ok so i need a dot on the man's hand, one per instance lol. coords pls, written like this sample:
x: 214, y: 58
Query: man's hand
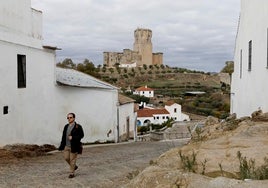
x: 70, y: 137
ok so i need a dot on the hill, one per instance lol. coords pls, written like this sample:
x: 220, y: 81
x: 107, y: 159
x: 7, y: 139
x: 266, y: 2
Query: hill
x: 175, y: 84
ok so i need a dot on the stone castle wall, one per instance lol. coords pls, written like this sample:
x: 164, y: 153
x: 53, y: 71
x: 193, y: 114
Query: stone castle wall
x: 141, y: 53
x: 157, y: 58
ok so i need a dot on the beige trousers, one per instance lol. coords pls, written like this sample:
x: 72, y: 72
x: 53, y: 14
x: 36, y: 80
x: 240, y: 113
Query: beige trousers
x: 70, y: 158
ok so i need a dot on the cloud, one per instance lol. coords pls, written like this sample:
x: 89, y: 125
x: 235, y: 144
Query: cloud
x: 192, y: 34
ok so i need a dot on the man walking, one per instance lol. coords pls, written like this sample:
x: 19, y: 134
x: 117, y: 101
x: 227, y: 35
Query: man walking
x: 71, y: 142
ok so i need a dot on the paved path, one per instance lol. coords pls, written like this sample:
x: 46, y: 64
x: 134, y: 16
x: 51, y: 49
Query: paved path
x: 100, y: 166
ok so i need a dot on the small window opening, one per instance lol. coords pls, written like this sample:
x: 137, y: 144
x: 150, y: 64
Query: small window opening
x: 21, y: 68
x: 249, y: 55
x: 5, y: 110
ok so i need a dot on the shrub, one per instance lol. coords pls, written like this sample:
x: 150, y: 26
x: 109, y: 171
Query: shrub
x: 188, y: 162
x: 204, y: 166
x: 198, y: 131
x: 248, y: 170
x: 142, y: 129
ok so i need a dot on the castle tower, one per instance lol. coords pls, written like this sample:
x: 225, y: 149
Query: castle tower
x: 143, y: 45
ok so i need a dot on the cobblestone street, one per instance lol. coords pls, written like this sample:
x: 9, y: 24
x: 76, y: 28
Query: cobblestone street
x: 99, y: 166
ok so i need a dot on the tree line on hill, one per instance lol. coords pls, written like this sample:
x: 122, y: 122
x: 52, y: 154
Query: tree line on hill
x: 212, y: 103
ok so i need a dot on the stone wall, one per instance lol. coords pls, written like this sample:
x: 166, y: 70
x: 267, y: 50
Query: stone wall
x: 141, y: 53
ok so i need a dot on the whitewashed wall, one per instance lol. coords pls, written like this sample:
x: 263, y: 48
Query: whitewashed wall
x: 144, y: 93
x: 127, y: 111
x: 20, y: 24
x: 161, y: 118
x: 37, y: 113
x: 143, y: 119
x: 249, y: 89
x: 28, y: 109
x: 95, y: 110
x: 178, y: 115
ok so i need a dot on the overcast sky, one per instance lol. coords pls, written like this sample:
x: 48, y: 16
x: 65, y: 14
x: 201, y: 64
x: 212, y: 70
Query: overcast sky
x: 193, y: 34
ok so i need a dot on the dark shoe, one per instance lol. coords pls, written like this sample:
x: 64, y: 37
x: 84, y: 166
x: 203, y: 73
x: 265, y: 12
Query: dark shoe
x: 71, y: 176
x: 76, y: 167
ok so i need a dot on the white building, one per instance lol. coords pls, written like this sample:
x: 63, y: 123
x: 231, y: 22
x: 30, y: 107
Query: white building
x: 35, y: 96
x: 144, y: 91
x: 146, y: 115
x: 127, y: 118
x: 175, y: 112
x: 249, y: 90
x: 93, y: 101
x: 131, y: 65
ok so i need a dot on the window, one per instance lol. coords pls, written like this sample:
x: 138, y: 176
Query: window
x: 249, y: 55
x: 241, y: 63
x: 5, y: 110
x: 21, y: 68
x: 175, y: 110
x: 163, y: 117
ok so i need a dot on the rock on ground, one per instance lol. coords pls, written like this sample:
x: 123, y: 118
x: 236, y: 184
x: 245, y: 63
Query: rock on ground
x: 216, y: 148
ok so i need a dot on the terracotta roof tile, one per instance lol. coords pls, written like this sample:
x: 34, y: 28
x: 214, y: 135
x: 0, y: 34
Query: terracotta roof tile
x: 145, y: 112
x: 144, y: 88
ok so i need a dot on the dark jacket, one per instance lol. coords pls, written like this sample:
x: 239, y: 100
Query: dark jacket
x: 77, y: 134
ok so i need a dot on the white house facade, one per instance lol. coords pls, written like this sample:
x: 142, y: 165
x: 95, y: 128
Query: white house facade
x: 175, y: 112
x: 249, y: 90
x: 144, y: 91
x: 131, y: 65
x: 35, y: 97
x: 146, y: 115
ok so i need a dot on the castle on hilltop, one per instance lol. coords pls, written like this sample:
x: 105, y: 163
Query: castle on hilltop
x: 140, y: 55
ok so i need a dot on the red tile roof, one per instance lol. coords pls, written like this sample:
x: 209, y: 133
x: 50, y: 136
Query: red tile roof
x: 145, y: 112
x: 144, y: 88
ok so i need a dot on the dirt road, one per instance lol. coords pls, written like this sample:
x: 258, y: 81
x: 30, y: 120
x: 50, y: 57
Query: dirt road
x: 100, y: 166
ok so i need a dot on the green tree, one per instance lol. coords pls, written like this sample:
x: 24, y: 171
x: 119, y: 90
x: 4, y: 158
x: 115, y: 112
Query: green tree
x: 88, y: 68
x: 111, y: 70
x: 145, y: 66
x: 118, y: 70
x: 66, y: 63
x: 229, y: 67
